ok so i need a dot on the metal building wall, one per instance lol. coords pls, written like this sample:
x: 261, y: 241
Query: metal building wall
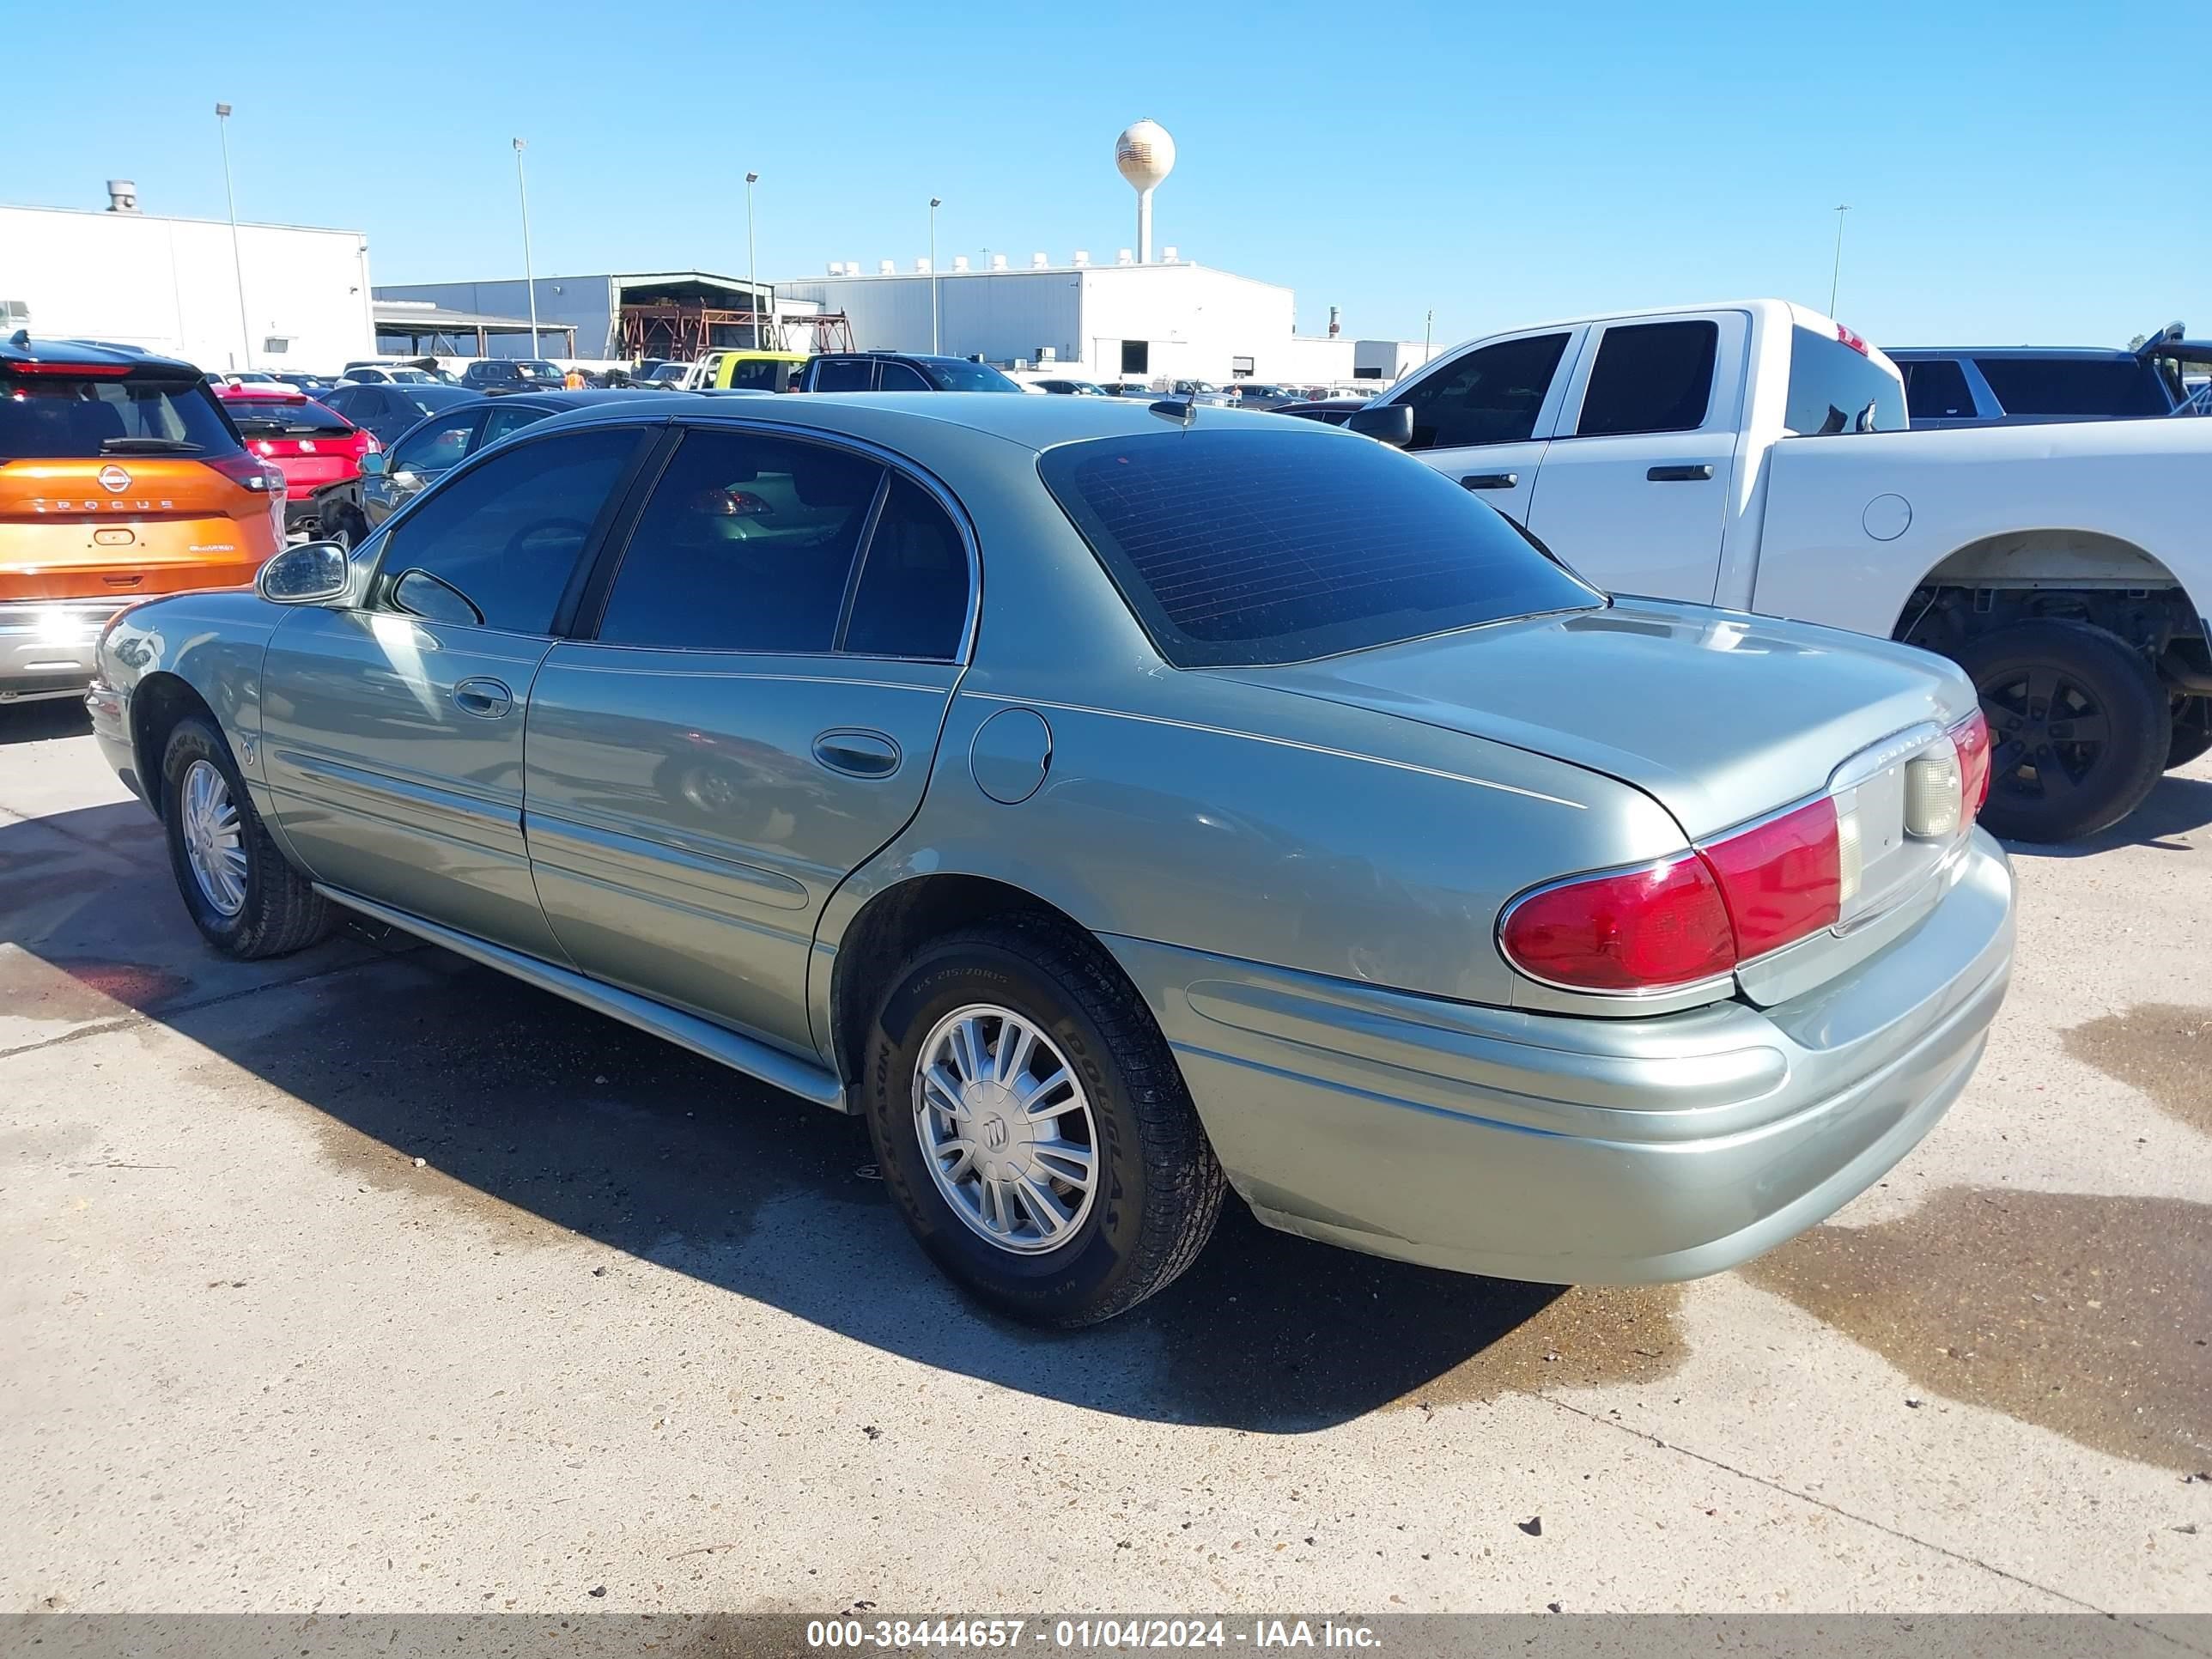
x: 1002, y: 314
x: 169, y: 285
x: 587, y: 303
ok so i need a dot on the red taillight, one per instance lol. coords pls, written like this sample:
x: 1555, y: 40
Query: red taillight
x: 1971, y: 738
x: 1692, y: 918
x: 1850, y: 339
x: 1783, y: 879
x: 242, y: 468
x: 1638, y: 930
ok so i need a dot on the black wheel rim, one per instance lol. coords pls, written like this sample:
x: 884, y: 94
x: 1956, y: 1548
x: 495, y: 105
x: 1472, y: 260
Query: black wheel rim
x: 2047, y: 733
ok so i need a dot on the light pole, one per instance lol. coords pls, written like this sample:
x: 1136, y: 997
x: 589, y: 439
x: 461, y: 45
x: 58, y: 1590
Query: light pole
x: 935, y: 202
x: 1835, y: 275
x: 529, y: 279
x: 237, y: 264
x: 752, y: 267
x: 1428, y: 327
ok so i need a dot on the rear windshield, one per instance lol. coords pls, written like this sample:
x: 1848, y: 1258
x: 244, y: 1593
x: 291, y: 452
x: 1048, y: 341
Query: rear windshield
x: 1834, y: 389
x: 967, y: 377
x: 2105, y: 387
x: 270, y: 417
x: 1241, y: 547
x: 56, y: 418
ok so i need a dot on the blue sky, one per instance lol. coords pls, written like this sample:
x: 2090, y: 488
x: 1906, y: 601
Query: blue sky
x: 2016, y: 172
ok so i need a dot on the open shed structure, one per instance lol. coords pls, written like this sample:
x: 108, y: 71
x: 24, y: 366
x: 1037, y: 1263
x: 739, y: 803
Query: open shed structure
x: 416, y: 328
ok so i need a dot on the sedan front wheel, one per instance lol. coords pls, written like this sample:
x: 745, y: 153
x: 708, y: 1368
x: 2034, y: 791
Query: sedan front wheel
x: 244, y: 898
x: 1033, y: 1127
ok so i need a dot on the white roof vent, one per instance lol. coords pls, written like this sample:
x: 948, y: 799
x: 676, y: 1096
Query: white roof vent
x: 885, y: 267
x: 998, y: 262
x: 922, y: 267
x: 960, y: 262
x: 1169, y: 253
x: 836, y: 268
x: 1038, y: 262
x: 122, y: 196
x: 1125, y: 258
x: 1082, y: 257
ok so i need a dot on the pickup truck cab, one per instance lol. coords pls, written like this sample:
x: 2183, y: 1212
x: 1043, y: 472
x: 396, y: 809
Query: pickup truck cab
x: 1754, y: 455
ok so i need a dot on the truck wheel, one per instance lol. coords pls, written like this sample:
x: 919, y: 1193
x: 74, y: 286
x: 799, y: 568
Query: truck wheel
x: 2079, y: 729
x: 1033, y: 1127
x: 2192, y: 730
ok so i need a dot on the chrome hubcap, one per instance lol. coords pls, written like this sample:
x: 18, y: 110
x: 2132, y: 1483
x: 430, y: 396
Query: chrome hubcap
x: 213, y: 844
x: 1005, y: 1129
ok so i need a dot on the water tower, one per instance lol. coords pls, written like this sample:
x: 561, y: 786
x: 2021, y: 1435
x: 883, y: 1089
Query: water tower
x: 1146, y: 154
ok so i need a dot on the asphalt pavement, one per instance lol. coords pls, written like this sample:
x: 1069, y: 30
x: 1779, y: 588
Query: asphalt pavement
x: 369, y: 1279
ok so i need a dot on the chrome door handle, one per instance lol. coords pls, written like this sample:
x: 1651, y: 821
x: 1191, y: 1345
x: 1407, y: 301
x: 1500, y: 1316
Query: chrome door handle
x: 486, y: 699
x: 858, y: 754
x: 1698, y: 474
x: 1489, y: 481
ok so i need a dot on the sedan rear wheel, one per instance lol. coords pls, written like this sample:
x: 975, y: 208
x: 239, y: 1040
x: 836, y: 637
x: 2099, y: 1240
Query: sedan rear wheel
x: 1032, y: 1126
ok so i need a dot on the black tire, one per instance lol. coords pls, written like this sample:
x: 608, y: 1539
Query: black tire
x: 279, y: 912
x: 2079, y: 728
x: 2192, y: 730
x: 1158, y: 1189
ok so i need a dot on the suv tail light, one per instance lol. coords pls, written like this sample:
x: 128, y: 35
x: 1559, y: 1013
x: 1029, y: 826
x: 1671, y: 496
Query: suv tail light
x: 1693, y: 917
x: 242, y: 468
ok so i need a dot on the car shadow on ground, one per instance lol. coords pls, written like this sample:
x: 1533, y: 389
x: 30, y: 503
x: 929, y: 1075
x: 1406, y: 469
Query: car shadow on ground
x: 514, y: 1097
x: 2175, y: 806
x: 43, y: 720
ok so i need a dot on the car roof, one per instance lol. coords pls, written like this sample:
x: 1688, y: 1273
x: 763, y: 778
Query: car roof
x: 2027, y: 353
x: 1036, y: 423
x: 21, y: 348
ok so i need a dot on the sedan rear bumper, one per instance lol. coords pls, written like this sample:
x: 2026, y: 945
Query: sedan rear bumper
x: 1567, y: 1150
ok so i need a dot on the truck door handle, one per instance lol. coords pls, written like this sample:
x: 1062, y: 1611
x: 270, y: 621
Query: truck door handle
x: 858, y: 754
x: 485, y: 698
x: 1489, y: 481
x: 1699, y: 474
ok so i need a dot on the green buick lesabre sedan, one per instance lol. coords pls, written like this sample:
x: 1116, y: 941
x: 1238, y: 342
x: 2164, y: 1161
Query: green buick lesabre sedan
x: 1117, y: 806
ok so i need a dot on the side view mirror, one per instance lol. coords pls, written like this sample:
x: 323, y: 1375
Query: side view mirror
x: 374, y: 464
x: 1388, y: 423
x: 314, y: 573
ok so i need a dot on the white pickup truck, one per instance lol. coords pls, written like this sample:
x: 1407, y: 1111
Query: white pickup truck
x: 1752, y: 455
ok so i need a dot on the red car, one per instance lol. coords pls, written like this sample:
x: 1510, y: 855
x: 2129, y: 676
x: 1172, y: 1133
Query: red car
x: 318, y: 450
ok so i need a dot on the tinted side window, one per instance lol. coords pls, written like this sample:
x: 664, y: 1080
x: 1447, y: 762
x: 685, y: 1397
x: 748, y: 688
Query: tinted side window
x: 506, y: 535
x: 1936, y: 391
x: 898, y: 377
x: 843, y: 374
x: 761, y: 374
x: 2113, y: 387
x: 505, y: 418
x: 913, y: 597
x: 437, y: 447
x: 1491, y: 395
x: 746, y: 545
x: 1650, y: 377
x: 1833, y: 388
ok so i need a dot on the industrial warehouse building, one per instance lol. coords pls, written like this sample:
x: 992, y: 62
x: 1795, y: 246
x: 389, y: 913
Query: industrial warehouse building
x: 613, y: 317
x: 171, y: 285
x: 1168, y: 321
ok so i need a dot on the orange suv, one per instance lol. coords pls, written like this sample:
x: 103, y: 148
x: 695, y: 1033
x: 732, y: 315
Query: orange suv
x: 120, y: 477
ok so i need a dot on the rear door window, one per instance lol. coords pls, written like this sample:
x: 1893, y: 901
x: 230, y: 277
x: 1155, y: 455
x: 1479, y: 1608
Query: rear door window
x: 1650, y: 377
x: 1242, y: 547
x: 61, y: 417
x: 1491, y: 395
x: 912, y: 601
x: 898, y: 377
x: 1936, y: 390
x: 2108, y: 387
x: 843, y: 374
x: 505, y: 535
x: 747, y: 544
